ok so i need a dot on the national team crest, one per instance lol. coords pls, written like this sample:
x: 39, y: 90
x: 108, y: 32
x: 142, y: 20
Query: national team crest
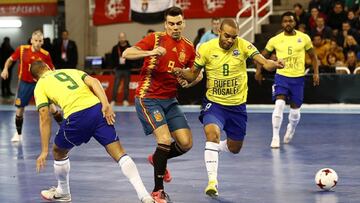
x: 236, y: 52
x: 157, y: 115
x: 182, y: 56
x: 299, y: 40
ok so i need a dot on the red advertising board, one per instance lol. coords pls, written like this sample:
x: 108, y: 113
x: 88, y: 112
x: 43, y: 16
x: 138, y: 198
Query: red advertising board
x: 111, y: 11
x: 28, y: 8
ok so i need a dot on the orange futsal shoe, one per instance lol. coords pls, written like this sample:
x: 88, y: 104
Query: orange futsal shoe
x: 167, y: 176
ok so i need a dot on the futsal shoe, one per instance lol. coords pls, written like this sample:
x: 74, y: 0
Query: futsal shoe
x: 288, y: 135
x: 52, y: 195
x: 16, y: 138
x: 147, y: 199
x: 167, y: 175
x: 275, y: 143
x: 161, y: 196
x: 212, y: 190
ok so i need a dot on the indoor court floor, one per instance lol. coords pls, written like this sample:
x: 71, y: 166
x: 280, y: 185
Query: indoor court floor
x: 258, y: 174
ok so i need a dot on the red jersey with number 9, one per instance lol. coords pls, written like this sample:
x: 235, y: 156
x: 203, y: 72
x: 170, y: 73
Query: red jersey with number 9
x: 155, y: 79
x: 27, y: 56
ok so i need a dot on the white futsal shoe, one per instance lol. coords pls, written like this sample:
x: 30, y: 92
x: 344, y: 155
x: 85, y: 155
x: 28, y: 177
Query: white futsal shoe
x: 148, y: 199
x: 288, y: 135
x: 275, y: 142
x: 52, y: 195
x: 16, y: 137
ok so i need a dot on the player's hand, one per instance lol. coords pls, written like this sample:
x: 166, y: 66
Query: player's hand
x: 4, y: 74
x: 280, y: 64
x: 177, y: 72
x: 184, y: 83
x: 316, y: 79
x: 259, y: 77
x: 41, y: 161
x: 108, y: 114
x: 159, y: 51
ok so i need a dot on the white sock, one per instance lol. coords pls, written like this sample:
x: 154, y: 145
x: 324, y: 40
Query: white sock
x: 277, y: 116
x: 294, y: 118
x: 223, y: 147
x: 129, y: 169
x: 211, y: 155
x: 62, y: 170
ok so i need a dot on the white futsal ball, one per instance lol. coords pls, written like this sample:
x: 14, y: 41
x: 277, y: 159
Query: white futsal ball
x: 326, y: 178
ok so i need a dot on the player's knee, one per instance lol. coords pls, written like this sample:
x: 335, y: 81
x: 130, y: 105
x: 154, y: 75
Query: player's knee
x: 234, y: 149
x: 59, y: 154
x: 186, y: 146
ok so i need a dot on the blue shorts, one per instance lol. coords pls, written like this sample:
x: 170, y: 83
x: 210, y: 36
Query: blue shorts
x: 25, y: 93
x: 154, y: 113
x: 80, y: 126
x: 231, y: 119
x: 292, y: 88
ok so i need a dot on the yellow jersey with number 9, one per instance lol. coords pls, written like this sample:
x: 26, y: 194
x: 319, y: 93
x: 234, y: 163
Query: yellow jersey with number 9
x: 225, y: 70
x: 66, y: 89
x: 291, y: 49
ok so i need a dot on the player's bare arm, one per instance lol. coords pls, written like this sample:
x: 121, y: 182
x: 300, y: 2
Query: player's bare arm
x: 258, y: 73
x: 96, y: 87
x: 5, y: 72
x: 189, y: 74
x: 45, y: 134
x: 134, y: 53
x: 315, y: 65
x: 268, y: 64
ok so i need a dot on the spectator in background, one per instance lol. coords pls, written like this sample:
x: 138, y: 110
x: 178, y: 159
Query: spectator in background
x: 47, y: 46
x: 213, y: 33
x: 314, y: 15
x: 65, y: 51
x: 320, y: 47
x: 336, y: 17
x: 321, y: 29
x: 321, y: 5
x: 301, y: 16
x: 351, y: 44
x: 122, y: 69
x: 332, y: 61
x: 347, y: 30
x: 5, y: 52
x: 335, y: 49
x: 353, y: 20
x: 200, y: 33
x: 351, y: 61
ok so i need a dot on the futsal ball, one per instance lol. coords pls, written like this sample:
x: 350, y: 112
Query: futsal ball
x: 326, y: 178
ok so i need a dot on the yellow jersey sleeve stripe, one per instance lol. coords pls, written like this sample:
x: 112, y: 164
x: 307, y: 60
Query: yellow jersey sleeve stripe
x: 198, y: 66
x: 268, y: 50
x: 42, y: 105
x: 83, y: 76
x: 253, y: 54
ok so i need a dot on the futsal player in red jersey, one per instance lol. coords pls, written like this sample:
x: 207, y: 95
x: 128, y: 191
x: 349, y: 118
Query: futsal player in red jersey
x: 26, y: 54
x: 155, y: 100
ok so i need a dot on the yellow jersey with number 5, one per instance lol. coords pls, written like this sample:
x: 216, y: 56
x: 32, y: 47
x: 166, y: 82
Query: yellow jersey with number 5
x: 290, y: 48
x: 65, y: 88
x: 225, y: 70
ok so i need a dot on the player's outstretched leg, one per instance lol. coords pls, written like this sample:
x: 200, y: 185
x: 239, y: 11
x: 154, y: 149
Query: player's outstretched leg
x: 62, y: 191
x: 211, y: 155
x: 294, y: 118
x: 129, y: 169
x: 277, y: 117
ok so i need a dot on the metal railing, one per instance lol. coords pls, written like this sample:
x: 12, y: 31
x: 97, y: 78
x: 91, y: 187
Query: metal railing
x: 252, y: 23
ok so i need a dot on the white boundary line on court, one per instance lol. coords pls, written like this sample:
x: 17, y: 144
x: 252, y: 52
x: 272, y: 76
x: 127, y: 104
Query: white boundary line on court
x: 251, y: 108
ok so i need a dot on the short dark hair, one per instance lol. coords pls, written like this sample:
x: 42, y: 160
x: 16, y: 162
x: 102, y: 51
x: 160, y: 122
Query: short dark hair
x: 173, y: 11
x: 36, y: 67
x: 230, y: 22
x: 297, y: 5
x: 287, y: 13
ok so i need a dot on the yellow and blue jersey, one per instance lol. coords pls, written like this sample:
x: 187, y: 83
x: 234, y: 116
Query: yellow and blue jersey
x: 226, y: 70
x: 66, y: 89
x: 290, y: 48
